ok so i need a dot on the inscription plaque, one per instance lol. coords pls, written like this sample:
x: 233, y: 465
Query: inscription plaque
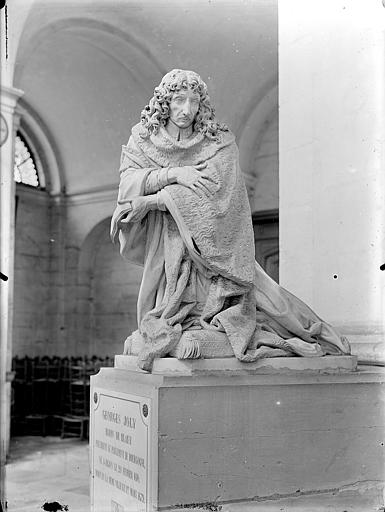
x: 120, y: 452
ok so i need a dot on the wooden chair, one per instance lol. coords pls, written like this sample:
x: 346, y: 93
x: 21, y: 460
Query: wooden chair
x: 75, y: 424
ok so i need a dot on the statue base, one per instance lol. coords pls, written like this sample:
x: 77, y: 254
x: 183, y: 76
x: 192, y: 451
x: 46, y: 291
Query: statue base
x: 194, y: 344
x: 221, y: 431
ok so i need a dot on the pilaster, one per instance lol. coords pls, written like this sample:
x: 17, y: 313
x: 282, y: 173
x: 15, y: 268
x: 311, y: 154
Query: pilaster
x: 10, y: 120
x: 332, y: 193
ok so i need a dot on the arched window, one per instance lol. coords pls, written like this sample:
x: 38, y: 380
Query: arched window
x: 25, y: 170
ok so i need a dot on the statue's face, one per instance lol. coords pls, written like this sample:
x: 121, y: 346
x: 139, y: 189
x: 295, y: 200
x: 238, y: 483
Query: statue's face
x: 184, y: 106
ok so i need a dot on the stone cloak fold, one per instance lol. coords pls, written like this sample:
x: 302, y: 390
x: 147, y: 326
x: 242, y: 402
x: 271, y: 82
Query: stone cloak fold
x: 211, y: 235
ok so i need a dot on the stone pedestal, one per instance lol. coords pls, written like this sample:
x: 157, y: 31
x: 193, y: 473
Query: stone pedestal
x: 221, y: 431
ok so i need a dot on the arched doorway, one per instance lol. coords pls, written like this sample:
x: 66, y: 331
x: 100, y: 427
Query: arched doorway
x: 109, y: 291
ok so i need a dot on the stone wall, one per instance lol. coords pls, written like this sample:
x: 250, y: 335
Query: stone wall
x: 103, y: 313
x: 114, y: 288
x: 265, y: 170
x: 32, y: 273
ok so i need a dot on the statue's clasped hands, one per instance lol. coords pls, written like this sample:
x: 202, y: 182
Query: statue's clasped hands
x: 192, y: 177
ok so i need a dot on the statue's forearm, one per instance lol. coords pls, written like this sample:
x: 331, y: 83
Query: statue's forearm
x: 155, y: 202
x: 158, y: 179
x: 172, y: 175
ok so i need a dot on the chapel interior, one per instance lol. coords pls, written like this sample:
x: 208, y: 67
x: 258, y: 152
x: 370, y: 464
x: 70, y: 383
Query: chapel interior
x: 76, y: 78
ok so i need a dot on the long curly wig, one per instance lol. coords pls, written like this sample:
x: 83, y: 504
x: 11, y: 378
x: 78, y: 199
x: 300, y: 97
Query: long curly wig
x: 156, y: 113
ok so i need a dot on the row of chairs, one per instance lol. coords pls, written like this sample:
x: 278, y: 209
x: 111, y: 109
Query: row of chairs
x: 50, y: 395
x: 28, y: 369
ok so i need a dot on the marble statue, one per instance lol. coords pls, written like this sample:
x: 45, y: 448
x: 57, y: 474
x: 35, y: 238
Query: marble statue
x: 183, y: 214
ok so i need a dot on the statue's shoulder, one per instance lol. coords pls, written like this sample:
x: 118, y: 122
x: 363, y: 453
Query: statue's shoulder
x: 226, y: 139
x: 139, y: 140
x: 134, y: 147
x: 227, y: 136
x: 138, y: 132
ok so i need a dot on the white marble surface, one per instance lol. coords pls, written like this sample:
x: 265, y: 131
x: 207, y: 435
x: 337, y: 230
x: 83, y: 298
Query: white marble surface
x: 228, y: 436
x: 282, y: 365
x: 26, y: 486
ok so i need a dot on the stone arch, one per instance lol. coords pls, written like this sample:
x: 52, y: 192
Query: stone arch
x: 73, y: 42
x: 264, y: 185
x: 270, y: 262
x: 261, y: 117
x: 87, y: 251
x: 45, y: 150
x: 92, y: 30
x: 108, y: 287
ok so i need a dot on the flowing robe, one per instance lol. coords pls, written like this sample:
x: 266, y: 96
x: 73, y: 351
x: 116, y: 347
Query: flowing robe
x: 199, y: 262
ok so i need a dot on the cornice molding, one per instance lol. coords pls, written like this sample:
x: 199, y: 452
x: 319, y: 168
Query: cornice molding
x: 32, y: 193
x: 99, y: 195
x: 264, y: 216
x: 9, y: 96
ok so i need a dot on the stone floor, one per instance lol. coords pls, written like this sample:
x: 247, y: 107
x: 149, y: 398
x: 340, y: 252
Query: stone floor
x: 42, y: 469
x: 54, y: 469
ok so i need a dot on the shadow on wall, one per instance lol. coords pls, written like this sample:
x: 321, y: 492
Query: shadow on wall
x: 108, y: 292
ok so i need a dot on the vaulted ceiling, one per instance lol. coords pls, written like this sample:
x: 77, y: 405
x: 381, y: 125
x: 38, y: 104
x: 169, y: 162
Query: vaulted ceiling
x: 87, y: 69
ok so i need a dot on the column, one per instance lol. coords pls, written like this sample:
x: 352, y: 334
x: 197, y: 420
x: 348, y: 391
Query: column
x: 9, y: 123
x: 332, y: 193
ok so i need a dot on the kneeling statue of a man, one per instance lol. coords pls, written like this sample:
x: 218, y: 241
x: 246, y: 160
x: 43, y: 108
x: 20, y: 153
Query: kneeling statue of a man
x: 183, y: 213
